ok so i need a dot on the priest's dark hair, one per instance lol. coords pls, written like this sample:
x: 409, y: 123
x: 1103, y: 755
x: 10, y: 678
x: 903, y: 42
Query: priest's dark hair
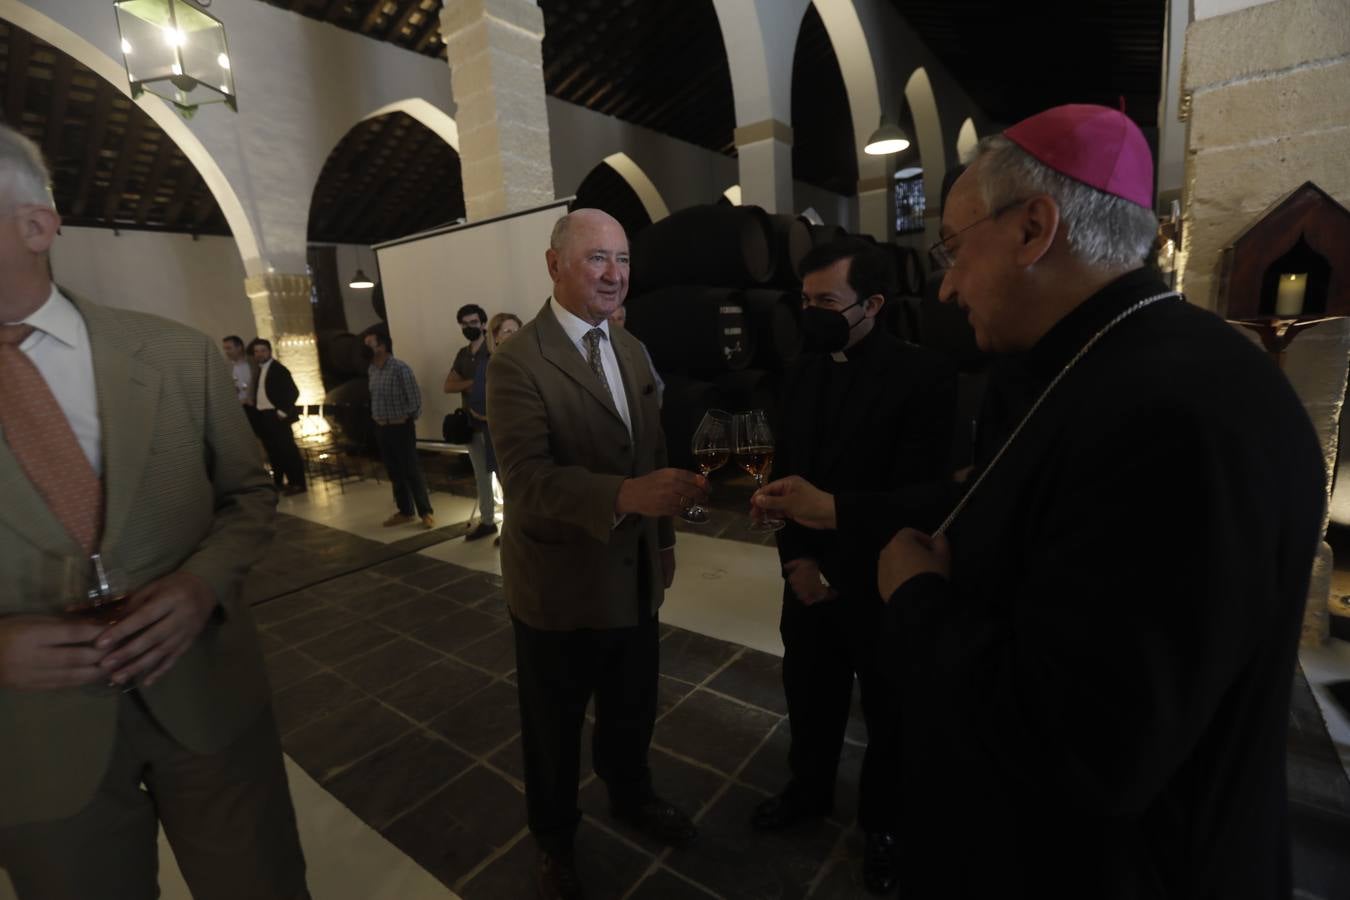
x: 871, y: 271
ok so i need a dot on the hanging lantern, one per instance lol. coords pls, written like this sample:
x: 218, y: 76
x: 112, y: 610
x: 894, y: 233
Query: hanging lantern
x: 176, y: 51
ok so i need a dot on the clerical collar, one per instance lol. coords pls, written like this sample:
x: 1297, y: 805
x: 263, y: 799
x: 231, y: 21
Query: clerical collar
x: 1067, y: 336
x: 860, y: 350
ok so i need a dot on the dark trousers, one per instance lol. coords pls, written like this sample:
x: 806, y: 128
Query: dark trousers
x: 556, y: 673
x: 279, y: 442
x: 824, y: 647
x: 398, y: 449
x: 228, y: 817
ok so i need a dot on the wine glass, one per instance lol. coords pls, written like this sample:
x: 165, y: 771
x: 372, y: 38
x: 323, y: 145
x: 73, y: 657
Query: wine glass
x: 754, y: 454
x: 95, y: 591
x: 712, y: 450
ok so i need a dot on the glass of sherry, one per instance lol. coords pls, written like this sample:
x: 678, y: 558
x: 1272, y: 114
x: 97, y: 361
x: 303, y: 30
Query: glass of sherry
x: 101, y: 597
x: 712, y: 450
x: 754, y: 454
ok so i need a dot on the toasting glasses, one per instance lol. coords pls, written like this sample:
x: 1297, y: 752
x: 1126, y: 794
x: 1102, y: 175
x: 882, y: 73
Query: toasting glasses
x: 712, y: 450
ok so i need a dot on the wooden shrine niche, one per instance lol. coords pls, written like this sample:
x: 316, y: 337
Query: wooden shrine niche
x: 1294, y: 262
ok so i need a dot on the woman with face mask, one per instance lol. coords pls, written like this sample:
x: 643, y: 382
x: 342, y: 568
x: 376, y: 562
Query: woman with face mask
x: 499, y: 329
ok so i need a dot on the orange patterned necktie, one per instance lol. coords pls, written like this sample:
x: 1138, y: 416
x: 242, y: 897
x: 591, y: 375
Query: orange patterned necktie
x: 41, y: 439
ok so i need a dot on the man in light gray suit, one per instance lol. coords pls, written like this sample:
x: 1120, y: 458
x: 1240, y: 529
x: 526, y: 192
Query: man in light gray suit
x: 588, y: 549
x: 121, y: 435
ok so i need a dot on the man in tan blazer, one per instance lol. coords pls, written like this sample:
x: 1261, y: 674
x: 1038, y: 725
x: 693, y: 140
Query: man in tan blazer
x: 109, y: 730
x: 588, y: 547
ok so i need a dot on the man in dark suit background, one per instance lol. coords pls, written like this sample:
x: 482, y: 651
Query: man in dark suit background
x: 275, y: 411
x: 588, y: 549
x: 862, y: 410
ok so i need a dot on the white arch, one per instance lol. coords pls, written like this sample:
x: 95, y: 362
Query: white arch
x: 110, y: 70
x: 966, y: 140
x: 637, y: 179
x: 849, y: 39
x: 928, y: 125
x: 427, y: 113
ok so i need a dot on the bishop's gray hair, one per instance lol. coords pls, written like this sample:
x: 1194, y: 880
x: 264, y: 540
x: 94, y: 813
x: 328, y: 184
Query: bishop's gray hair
x: 24, y: 177
x: 1103, y: 229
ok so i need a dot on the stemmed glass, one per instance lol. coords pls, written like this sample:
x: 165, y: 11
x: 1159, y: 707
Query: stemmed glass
x: 96, y: 592
x: 712, y: 451
x: 754, y: 454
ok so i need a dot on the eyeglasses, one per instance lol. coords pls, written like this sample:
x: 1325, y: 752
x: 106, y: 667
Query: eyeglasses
x: 943, y: 258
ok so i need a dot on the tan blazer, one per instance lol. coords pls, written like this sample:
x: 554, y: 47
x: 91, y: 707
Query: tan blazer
x: 184, y: 489
x: 563, y: 451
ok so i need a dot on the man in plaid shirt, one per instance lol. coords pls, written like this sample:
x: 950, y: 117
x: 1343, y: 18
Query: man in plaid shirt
x: 395, y: 404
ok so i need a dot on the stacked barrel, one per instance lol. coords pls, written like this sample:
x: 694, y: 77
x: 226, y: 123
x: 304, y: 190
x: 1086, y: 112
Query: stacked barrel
x: 716, y: 297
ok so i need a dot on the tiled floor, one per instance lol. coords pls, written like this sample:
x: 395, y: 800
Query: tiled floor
x: 394, y: 691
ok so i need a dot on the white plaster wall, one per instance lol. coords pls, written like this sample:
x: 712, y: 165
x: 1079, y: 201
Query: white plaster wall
x: 1171, y: 130
x: 683, y: 173
x: 302, y: 85
x: 1208, y: 9
x: 199, y: 283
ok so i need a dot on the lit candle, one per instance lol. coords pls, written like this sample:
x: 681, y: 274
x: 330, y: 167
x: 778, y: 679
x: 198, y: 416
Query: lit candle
x: 1289, y: 297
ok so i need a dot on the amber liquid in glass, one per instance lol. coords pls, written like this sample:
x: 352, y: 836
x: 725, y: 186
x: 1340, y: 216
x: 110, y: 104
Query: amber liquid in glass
x: 710, y: 461
x: 105, y: 612
x: 756, y: 461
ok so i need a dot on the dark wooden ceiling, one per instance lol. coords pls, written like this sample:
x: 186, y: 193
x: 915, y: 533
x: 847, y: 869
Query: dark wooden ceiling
x: 657, y: 63
x: 603, y: 188
x: 1015, y: 59
x: 112, y: 166
x: 388, y: 177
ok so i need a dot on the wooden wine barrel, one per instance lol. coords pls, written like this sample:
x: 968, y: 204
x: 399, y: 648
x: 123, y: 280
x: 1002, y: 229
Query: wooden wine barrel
x: 716, y: 246
x: 774, y: 318
x: 825, y: 234
x: 909, y: 270
x: 791, y: 241
x: 686, y: 400
x: 694, y: 330
x: 746, y: 390
x: 341, y: 354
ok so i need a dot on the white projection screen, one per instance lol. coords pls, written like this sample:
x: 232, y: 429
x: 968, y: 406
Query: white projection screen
x: 496, y: 263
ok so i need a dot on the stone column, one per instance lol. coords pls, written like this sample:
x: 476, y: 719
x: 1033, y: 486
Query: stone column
x: 497, y: 70
x: 1265, y: 91
x: 283, y: 315
x: 765, y: 159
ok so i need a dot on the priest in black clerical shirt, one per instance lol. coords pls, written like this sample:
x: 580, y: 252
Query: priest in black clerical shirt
x: 1097, y: 651
x: 861, y: 410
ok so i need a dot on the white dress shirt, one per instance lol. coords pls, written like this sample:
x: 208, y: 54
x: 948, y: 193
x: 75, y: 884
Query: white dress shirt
x: 59, y: 348
x: 243, y: 374
x: 263, y: 401
x: 577, y: 329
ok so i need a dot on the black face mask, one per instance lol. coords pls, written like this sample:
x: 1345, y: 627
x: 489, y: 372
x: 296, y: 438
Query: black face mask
x: 472, y: 332
x: 826, y: 330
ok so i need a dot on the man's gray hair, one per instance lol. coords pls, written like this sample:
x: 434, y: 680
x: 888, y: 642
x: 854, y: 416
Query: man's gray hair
x: 1103, y: 229
x: 558, y: 239
x: 24, y: 177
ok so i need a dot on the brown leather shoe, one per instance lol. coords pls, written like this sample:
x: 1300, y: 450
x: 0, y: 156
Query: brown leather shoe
x: 557, y: 877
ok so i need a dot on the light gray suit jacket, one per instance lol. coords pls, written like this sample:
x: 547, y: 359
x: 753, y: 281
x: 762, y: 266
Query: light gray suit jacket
x: 184, y: 489
x: 563, y: 451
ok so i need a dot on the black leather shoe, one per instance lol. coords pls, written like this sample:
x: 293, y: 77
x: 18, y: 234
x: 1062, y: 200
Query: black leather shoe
x: 657, y: 819
x: 482, y: 531
x: 879, y: 862
x: 557, y: 877
x: 786, y: 810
